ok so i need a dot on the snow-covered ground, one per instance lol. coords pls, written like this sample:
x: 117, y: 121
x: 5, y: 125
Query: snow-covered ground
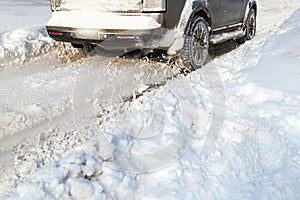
x: 110, y: 128
x: 23, y: 14
x: 23, y: 36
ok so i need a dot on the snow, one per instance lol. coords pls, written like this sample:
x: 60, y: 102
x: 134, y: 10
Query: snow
x: 80, y: 15
x: 22, y: 14
x: 102, y: 5
x: 227, y: 131
x: 23, y: 36
x: 84, y: 19
x: 21, y: 45
x: 271, y: 5
x: 281, y: 54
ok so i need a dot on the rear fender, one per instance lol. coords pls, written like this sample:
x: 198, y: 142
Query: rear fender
x: 191, y: 7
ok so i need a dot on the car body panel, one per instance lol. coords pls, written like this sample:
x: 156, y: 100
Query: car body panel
x: 238, y: 7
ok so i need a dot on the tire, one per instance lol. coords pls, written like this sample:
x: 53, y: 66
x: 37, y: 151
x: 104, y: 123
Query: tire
x: 89, y: 48
x: 250, y: 27
x: 77, y: 46
x: 146, y: 51
x: 196, y: 44
x: 86, y: 49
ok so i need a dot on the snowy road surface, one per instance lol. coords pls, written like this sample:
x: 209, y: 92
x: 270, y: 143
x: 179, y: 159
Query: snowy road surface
x: 67, y: 122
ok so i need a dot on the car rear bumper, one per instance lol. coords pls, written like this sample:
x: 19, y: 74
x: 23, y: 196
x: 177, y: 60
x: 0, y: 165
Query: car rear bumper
x: 111, y: 30
x: 109, y: 39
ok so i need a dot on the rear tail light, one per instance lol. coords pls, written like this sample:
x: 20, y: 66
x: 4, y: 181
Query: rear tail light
x: 56, y: 33
x: 154, y: 5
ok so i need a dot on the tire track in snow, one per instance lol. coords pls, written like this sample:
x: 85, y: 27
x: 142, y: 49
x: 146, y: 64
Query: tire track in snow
x: 49, y: 87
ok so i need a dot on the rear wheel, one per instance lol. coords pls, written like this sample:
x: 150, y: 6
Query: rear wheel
x: 250, y: 27
x: 89, y: 48
x: 86, y: 48
x: 77, y: 46
x: 196, y: 43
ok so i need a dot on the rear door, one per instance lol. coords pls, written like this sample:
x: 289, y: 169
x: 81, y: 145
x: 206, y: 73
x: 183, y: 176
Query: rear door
x: 236, y: 10
x: 217, y: 9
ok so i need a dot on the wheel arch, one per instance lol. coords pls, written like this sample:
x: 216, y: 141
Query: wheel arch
x: 202, y: 12
x: 191, y: 9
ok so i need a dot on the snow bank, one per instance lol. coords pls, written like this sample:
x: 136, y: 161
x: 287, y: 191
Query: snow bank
x: 23, y: 36
x: 101, y: 164
x: 269, y: 5
x: 23, y: 14
x: 282, y: 55
x: 20, y: 45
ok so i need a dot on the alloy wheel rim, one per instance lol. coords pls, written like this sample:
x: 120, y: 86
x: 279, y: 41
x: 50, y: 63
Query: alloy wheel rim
x: 252, y: 26
x: 199, y: 45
